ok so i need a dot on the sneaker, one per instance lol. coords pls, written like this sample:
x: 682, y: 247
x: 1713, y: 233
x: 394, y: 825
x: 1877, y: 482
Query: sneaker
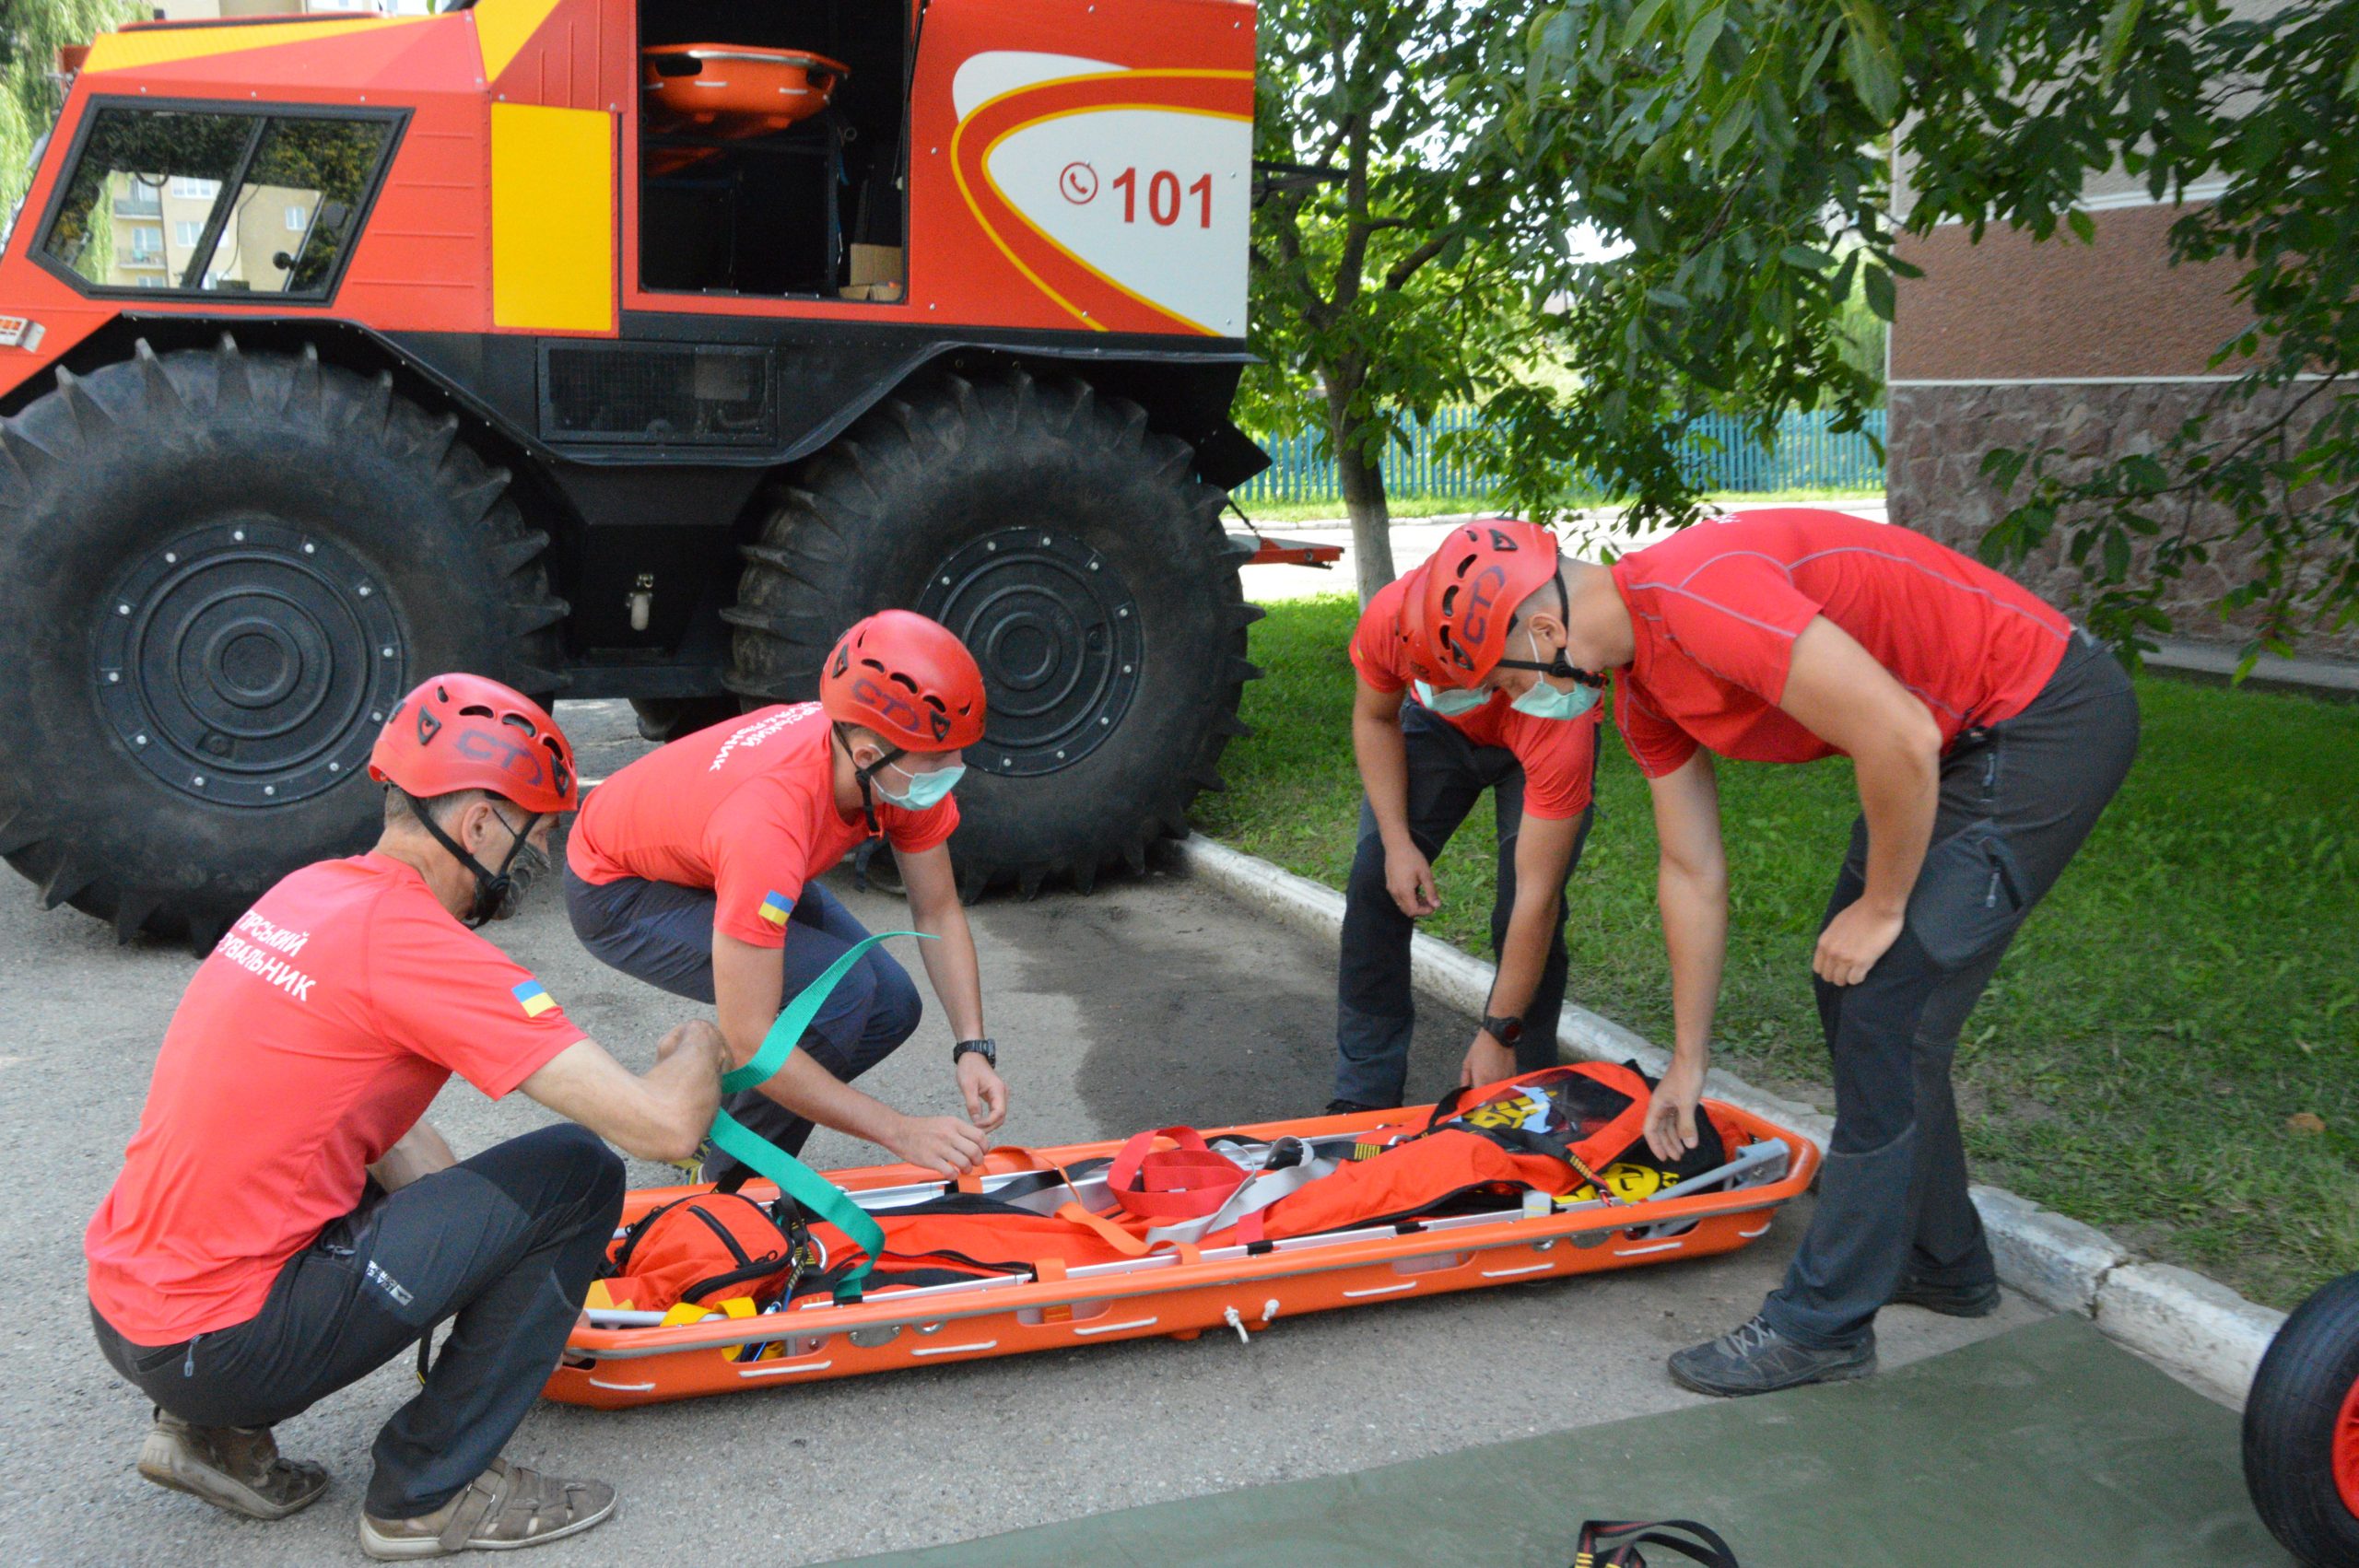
x: 1756, y: 1359
x: 506, y: 1507
x: 236, y: 1467
x: 1349, y: 1108
x: 1950, y: 1300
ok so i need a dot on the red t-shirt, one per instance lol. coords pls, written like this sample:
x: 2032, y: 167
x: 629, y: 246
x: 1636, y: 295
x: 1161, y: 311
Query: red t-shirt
x: 314, y: 1036
x: 1716, y: 607
x: 1558, y: 755
x: 747, y: 808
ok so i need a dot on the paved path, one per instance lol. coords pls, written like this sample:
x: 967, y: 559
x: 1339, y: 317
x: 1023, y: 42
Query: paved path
x: 1153, y: 1001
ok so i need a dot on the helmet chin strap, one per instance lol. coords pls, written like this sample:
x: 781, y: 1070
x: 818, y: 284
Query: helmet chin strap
x: 864, y: 776
x: 491, y: 887
x: 1562, y: 667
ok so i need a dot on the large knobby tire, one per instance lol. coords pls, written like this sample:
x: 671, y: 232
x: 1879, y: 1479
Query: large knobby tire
x: 1079, y: 557
x: 665, y: 719
x: 219, y: 572
x: 2302, y: 1430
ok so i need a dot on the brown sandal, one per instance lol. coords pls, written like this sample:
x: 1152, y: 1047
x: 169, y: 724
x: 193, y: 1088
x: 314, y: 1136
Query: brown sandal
x: 506, y: 1507
x: 235, y: 1467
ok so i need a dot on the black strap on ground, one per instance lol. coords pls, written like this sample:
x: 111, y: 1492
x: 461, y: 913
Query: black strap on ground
x: 1596, y: 1549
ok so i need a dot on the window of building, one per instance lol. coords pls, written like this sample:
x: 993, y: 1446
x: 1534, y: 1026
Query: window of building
x: 316, y: 170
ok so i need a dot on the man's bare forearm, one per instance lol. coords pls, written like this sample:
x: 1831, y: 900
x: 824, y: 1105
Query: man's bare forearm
x: 1382, y: 755
x: 1695, y: 905
x: 1901, y: 792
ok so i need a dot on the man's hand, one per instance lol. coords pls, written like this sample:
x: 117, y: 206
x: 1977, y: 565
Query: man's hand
x: 986, y: 1092
x: 943, y: 1144
x: 1852, y: 942
x: 1487, y: 1061
x: 1409, y: 877
x: 1671, y: 1117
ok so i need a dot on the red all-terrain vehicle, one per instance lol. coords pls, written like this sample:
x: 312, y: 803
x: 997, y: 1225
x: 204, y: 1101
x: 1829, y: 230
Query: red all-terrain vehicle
x: 615, y: 348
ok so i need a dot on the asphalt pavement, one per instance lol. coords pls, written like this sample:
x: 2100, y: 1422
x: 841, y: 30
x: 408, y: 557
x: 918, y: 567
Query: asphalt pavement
x: 1153, y: 1001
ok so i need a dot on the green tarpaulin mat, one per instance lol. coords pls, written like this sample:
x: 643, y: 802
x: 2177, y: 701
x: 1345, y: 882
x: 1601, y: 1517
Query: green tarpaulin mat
x: 2044, y: 1445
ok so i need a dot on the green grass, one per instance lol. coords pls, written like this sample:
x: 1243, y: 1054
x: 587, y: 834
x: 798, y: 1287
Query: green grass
x: 1409, y: 509
x: 2192, y: 983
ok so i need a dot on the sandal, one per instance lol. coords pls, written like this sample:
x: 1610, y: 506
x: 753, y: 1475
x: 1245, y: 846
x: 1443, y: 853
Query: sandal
x: 236, y: 1467
x: 506, y: 1507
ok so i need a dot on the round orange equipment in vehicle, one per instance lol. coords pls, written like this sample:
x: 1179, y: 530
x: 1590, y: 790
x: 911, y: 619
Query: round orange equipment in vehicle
x: 731, y: 89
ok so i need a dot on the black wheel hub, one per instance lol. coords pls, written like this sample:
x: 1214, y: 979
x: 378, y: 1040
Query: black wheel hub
x: 250, y: 663
x: 1056, y: 630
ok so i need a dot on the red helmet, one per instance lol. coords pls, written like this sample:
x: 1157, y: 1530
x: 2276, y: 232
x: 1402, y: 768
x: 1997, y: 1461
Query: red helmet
x: 909, y: 679
x: 1416, y: 642
x: 466, y: 732
x: 1472, y: 586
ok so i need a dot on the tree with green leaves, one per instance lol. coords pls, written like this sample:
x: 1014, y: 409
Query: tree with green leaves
x: 31, y: 32
x: 1427, y: 168
x: 2266, y: 470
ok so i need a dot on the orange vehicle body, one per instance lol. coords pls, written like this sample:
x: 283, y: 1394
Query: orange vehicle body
x: 430, y: 258
x: 1172, y: 1295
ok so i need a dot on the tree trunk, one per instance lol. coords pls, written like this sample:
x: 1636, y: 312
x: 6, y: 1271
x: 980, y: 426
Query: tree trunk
x: 1362, y: 486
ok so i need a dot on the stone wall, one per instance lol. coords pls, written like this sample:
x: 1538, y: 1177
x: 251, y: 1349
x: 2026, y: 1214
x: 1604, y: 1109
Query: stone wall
x: 1937, y: 433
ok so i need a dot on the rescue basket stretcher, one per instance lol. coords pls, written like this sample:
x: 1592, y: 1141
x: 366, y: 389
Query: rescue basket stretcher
x: 616, y: 1359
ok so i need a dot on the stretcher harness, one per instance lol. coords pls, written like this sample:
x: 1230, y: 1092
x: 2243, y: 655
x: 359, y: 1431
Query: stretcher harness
x: 812, y: 1193
x: 1561, y: 1136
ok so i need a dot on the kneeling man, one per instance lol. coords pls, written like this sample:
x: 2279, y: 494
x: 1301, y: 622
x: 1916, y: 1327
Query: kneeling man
x: 285, y: 1223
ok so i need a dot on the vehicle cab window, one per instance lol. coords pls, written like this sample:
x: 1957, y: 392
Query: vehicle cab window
x: 219, y: 202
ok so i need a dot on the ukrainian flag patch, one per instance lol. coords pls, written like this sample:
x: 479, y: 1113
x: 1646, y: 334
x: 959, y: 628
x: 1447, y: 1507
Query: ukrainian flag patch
x: 775, y: 906
x: 534, y: 998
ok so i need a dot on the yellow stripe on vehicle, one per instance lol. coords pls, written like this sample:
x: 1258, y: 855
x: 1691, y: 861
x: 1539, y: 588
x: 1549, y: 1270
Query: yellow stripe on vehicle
x: 163, y: 46
x: 552, y: 218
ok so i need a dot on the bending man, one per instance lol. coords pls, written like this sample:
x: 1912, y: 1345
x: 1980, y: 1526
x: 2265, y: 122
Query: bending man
x: 1425, y: 760
x: 285, y: 1223
x: 1987, y: 734
x: 694, y: 868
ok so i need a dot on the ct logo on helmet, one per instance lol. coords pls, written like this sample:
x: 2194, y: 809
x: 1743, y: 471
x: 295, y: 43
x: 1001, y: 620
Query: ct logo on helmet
x: 427, y: 725
x: 478, y: 745
x: 941, y: 722
x: 868, y: 691
x: 1482, y: 598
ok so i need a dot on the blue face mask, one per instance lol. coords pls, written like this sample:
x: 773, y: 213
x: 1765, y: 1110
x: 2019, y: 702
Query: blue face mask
x: 1544, y: 701
x: 926, y: 790
x: 1450, y: 702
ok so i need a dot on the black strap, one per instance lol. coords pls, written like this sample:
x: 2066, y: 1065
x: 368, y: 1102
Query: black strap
x: 1708, y: 1548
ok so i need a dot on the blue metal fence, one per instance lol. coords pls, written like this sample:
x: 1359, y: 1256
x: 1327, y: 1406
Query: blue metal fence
x: 1721, y: 454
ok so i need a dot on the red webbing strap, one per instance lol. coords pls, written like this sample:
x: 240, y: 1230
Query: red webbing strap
x: 1185, y: 1182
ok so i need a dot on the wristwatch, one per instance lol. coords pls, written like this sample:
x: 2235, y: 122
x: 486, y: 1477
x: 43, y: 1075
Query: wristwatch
x: 1507, y: 1031
x: 984, y: 1049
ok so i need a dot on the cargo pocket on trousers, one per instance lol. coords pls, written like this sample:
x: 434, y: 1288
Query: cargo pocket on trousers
x: 1969, y: 896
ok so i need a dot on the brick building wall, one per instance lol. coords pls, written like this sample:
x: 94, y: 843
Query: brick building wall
x: 2101, y: 349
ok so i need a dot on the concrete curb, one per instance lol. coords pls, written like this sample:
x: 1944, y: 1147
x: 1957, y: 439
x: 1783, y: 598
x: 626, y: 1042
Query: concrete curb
x: 2197, y: 1327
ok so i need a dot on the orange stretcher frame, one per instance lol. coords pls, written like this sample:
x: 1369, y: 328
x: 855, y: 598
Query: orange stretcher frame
x: 612, y: 1368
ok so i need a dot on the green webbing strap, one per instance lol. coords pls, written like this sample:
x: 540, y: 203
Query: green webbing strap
x: 806, y: 1186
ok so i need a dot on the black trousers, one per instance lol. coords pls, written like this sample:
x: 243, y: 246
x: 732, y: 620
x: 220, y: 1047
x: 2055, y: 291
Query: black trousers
x: 504, y: 1244
x: 2017, y: 799
x: 1374, y: 1014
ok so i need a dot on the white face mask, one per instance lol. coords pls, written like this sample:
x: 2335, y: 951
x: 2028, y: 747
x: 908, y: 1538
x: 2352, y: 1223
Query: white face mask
x: 1545, y: 701
x: 926, y: 790
x: 1450, y: 702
